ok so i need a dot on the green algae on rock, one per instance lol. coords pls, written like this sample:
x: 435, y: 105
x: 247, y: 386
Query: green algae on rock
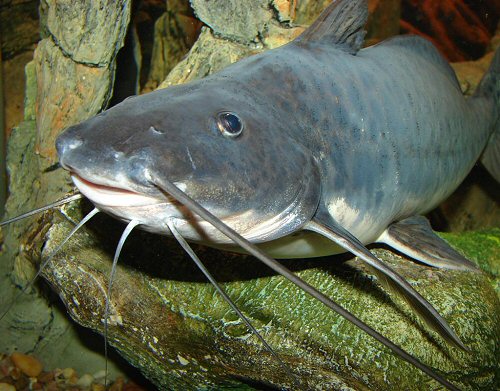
x: 166, y: 320
x: 482, y: 247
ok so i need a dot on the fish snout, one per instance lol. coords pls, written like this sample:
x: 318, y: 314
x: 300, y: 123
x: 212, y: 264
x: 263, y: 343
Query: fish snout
x: 67, y: 142
x: 84, y: 153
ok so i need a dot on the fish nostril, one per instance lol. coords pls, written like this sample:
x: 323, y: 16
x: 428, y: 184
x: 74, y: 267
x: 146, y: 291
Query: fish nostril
x: 75, y: 143
x: 65, y: 143
x: 156, y: 130
x: 117, y: 155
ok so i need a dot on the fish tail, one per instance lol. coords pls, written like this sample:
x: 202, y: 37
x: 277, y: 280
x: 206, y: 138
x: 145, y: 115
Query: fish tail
x: 490, y: 88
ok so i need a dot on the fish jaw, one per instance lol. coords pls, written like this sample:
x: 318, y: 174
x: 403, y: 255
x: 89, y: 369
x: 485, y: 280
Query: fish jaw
x: 111, y: 196
x: 126, y: 205
x: 153, y: 213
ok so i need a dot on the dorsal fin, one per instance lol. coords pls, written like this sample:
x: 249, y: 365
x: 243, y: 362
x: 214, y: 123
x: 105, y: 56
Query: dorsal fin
x: 341, y: 23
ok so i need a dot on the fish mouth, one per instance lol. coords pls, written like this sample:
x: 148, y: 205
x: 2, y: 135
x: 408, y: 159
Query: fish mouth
x: 126, y: 204
x: 153, y: 211
x: 114, y: 197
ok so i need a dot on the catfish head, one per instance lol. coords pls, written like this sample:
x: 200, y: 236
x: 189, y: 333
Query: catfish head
x: 217, y: 141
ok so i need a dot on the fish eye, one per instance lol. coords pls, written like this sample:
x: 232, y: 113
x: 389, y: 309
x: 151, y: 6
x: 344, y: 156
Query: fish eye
x: 229, y: 124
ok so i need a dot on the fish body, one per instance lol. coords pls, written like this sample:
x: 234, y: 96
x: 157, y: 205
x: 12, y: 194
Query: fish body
x: 374, y: 137
x: 389, y: 128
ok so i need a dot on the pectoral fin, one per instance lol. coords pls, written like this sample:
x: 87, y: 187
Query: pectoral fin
x: 415, y: 238
x: 325, y: 225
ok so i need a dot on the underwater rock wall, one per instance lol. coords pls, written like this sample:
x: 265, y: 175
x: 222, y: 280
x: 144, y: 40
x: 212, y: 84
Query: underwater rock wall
x: 69, y: 80
x: 461, y: 29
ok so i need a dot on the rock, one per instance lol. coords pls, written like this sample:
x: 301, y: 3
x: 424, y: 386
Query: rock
x: 118, y: 385
x: 470, y: 73
x: 88, y: 32
x: 68, y: 373
x: 168, y: 314
x: 13, y: 69
x: 45, y: 377
x: 276, y: 36
x: 64, y: 89
x: 85, y: 381
x: 307, y: 11
x: 60, y: 92
x: 7, y: 387
x: 19, y: 28
x: 29, y: 365
x: 460, y: 29
x: 75, y: 64
x: 52, y: 386
x: 286, y: 9
x: 474, y: 205
x: 239, y: 20
x: 218, y: 47
x: 174, y: 34
x: 208, y: 55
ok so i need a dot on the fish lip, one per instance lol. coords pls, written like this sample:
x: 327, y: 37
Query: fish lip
x: 114, y: 196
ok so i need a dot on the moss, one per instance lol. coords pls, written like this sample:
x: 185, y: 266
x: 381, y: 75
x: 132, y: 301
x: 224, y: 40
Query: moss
x: 482, y: 247
x: 184, y: 336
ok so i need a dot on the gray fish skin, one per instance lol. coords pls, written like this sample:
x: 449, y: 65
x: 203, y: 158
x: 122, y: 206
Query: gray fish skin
x: 390, y: 127
x: 374, y: 137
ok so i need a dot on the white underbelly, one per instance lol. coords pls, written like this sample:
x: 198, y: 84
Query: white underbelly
x: 303, y: 244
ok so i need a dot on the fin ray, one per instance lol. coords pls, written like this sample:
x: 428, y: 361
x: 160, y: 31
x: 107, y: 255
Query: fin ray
x: 325, y: 225
x: 415, y: 238
x: 341, y: 23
